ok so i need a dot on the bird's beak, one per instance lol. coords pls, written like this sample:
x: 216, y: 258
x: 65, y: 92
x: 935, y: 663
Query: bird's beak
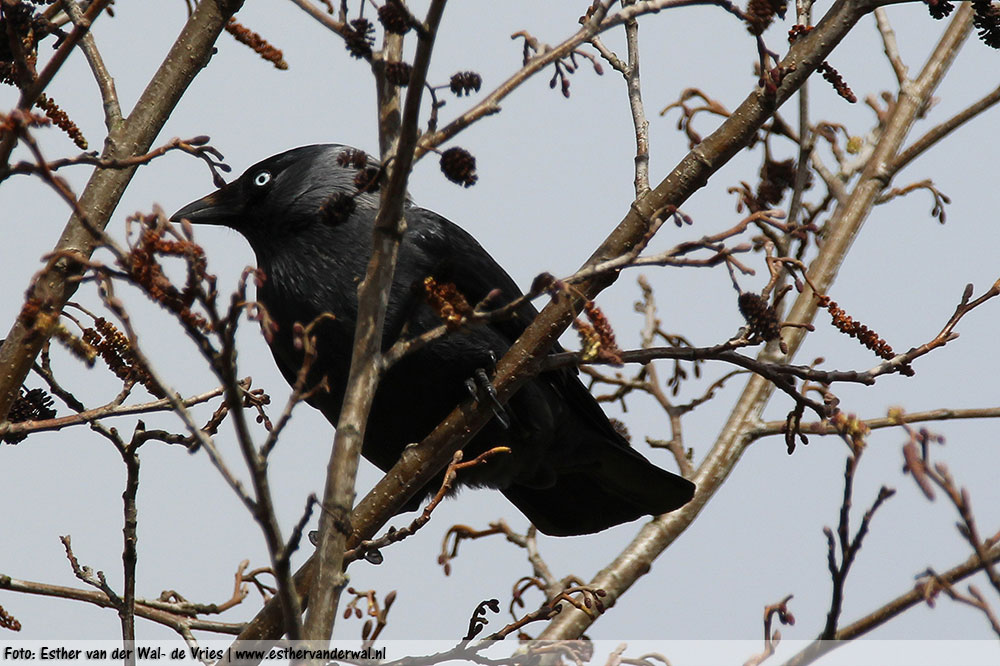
x: 220, y: 207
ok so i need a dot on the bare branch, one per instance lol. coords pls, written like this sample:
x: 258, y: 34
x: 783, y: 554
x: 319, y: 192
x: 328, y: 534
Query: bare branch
x: 365, y: 548
x: 105, y: 82
x: 935, y: 134
x: 196, y: 146
x: 57, y: 283
x: 771, y: 639
x: 884, y: 613
x: 849, y: 546
x: 630, y: 72
x: 338, y: 497
x: 825, y: 428
x: 618, y: 576
x: 149, y: 610
x: 890, y: 46
x: 112, y: 409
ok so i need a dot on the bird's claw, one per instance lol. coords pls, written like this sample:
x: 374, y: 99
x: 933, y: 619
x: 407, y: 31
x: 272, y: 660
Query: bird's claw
x: 482, y: 390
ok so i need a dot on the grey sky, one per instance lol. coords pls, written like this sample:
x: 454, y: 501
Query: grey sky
x: 555, y: 177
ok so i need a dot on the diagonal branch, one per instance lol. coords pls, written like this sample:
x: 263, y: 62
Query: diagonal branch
x: 105, y: 82
x: 427, y: 458
x: 159, y: 612
x: 935, y: 134
x: 56, y: 284
x: 883, y: 614
x: 845, y: 224
x: 30, y: 94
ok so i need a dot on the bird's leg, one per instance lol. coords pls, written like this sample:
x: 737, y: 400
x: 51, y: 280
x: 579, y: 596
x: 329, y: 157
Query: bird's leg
x: 481, y: 389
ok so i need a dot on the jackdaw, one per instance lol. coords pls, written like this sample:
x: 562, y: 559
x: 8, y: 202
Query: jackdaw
x: 569, y: 471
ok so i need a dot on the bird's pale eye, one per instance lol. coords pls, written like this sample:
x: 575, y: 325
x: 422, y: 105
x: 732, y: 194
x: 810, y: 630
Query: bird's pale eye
x: 262, y: 178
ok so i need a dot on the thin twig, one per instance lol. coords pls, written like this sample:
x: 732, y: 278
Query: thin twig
x: 935, y: 134
x: 105, y: 82
x: 803, y: 14
x: 826, y: 428
x: 145, y: 609
x: 112, y: 409
x: 849, y: 546
x: 427, y: 458
x: 58, y: 282
x: 890, y: 46
x: 130, y: 456
x: 639, y: 121
x: 364, y: 548
x: 338, y: 496
x: 657, y: 535
x: 886, y: 612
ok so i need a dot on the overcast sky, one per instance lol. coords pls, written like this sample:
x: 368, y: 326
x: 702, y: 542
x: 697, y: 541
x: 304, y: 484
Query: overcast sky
x: 555, y: 177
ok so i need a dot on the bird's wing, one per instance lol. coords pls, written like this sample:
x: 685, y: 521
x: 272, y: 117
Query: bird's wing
x: 452, y: 255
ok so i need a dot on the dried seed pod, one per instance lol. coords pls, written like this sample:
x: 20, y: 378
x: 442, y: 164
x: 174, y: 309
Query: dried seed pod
x: 775, y: 178
x: 368, y: 179
x: 760, y: 14
x: 398, y: 73
x: 459, y: 166
x: 394, y: 17
x: 760, y: 316
x: 986, y: 20
x: 61, y: 120
x: 360, y: 38
x: 939, y: 8
x: 32, y: 405
x: 464, y: 83
x: 260, y: 46
x: 352, y: 157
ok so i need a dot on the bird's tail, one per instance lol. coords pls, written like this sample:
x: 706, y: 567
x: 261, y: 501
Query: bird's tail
x: 609, y: 484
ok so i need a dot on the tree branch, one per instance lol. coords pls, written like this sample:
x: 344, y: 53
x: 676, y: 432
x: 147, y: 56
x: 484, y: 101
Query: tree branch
x: 939, y: 132
x: 335, y: 525
x: 427, y: 458
x: 884, y: 613
x: 56, y: 283
x: 847, y: 220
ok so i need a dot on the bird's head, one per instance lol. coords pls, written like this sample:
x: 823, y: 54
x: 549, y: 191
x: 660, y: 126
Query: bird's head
x: 282, y: 195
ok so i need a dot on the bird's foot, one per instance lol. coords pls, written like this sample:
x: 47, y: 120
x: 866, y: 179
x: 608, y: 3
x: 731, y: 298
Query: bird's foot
x: 481, y: 389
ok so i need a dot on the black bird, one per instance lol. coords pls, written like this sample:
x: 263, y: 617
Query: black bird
x: 569, y: 471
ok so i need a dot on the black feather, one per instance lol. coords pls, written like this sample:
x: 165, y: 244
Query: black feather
x: 569, y: 471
